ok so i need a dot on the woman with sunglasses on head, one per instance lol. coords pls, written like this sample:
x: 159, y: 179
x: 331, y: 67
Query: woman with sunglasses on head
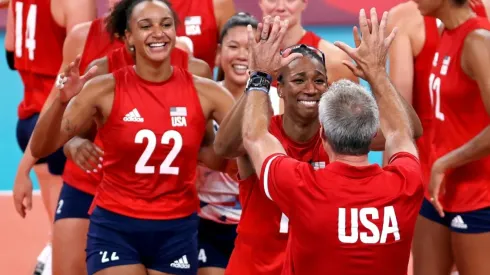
x: 151, y: 119
x: 218, y: 191
x: 263, y: 230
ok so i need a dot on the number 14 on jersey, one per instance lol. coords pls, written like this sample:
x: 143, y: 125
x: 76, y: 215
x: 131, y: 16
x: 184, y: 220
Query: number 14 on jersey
x: 30, y: 34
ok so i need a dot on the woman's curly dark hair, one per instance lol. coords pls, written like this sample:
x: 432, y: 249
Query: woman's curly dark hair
x: 118, y: 20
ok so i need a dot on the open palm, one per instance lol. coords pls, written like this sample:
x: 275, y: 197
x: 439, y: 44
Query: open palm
x: 70, y: 83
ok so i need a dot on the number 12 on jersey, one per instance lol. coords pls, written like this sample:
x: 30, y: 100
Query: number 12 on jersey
x: 30, y: 35
x: 435, y: 95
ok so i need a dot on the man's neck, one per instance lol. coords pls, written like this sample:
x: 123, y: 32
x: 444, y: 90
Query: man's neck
x: 350, y: 160
x: 298, y: 129
x: 293, y: 35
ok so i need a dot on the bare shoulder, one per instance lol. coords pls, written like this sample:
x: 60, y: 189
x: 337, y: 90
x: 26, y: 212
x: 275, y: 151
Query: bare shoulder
x: 209, y: 88
x: 476, y: 50
x: 200, y: 68
x: 75, y: 40
x: 102, y: 65
x: 407, y: 17
x: 223, y: 10
x: 334, y: 56
x: 99, y: 86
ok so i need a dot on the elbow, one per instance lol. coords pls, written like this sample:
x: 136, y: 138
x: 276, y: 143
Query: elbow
x: 36, y: 150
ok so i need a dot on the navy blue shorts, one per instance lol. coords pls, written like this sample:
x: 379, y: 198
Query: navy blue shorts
x: 216, y: 242
x: 472, y: 222
x: 55, y: 161
x: 73, y: 203
x: 168, y: 246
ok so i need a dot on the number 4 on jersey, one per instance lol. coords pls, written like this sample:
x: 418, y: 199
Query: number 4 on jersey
x: 30, y: 35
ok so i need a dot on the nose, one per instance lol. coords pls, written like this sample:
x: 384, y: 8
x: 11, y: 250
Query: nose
x: 243, y: 54
x: 310, y: 88
x: 158, y: 32
x: 280, y: 6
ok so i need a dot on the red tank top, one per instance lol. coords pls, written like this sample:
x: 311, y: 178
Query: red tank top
x: 151, y: 142
x: 116, y: 59
x: 459, y: 115
x: 421, y: 97
x: 479, y: 9
x: 310, y: 39
x: 98, y: 43
x: 198, y: 22
x: 38, y: 53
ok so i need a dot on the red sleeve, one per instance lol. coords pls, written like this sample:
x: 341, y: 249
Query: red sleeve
x: 279, y: 178
x: 408, y: 166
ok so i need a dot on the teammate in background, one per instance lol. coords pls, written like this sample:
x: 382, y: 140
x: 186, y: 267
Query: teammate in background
x: 218, y: 192
x: 381, y: 219
x: 201, y: 23
x: 165, y: 213
x: 301, y: 84
x: 411, y: 57
x: 36, y: 30
x: 459, y: 83
x: 296, y: 34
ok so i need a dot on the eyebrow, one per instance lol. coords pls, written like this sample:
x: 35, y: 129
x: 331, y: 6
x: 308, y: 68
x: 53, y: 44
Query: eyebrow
x: 150, y: 19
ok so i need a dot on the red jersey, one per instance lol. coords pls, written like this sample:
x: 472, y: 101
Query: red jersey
x: 98, y: 43
x: 263, y: 229
x: 421, y: 100
x: 198, y: 22
x: 151, y: 141
x: 310, y: 39
x: 346, y: 219
x: 116, y: 59
x: 459, y: 116
x: 38, y: 52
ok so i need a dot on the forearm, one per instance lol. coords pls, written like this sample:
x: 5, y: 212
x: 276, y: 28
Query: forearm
x: 27, y: 161
x: 46, y: 135
x: 256, y: 117
x: 473, y: 150
x: 394, y: 118
x: 228, y: 140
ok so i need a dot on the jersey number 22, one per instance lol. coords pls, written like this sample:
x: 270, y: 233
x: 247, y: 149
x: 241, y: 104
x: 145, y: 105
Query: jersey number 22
x: 30, y: 35
x: 165, y: 168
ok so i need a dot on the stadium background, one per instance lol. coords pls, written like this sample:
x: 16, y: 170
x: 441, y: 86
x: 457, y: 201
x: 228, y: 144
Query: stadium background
x: 21, y: 240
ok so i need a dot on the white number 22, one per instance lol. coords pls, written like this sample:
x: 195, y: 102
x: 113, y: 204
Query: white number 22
x: 165, y: 168
x: 284, y: 224
x: 435, y: 95
x: 30, y: 35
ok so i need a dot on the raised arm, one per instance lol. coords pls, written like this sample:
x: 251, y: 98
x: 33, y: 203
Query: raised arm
x: 370, y: 56
x: 76, y: 12
x: 69, y: 115
x: 228, y: 142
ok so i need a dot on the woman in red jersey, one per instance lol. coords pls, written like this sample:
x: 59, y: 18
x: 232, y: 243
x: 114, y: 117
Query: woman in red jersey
x: 132, y: 106
x: 296, y: 34
x: 218, y: 191
x: 411, y: 57
x: 459, y: 84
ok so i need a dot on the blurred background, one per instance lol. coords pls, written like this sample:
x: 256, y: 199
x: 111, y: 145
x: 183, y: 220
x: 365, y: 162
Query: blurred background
x: 21, y: 240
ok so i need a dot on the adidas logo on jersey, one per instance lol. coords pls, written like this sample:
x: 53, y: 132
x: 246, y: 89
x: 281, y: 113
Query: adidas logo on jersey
x: 458, y: 222
x: 181, y: 263
x: 133, y: 116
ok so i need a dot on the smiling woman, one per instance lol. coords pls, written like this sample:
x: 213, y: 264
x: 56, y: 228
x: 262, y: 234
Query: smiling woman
x: 157, y: 153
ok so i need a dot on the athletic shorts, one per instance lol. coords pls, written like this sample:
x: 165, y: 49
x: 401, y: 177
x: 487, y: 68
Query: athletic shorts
x: 168, y: 246
x: 216, y: 242
x: 72, y: 203
x: 55, y: 161
x: 472, y: 222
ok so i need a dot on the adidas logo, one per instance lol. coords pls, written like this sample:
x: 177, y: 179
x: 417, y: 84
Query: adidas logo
x: 458, y: 222
x: 181, y: 263
x: 134, y: 116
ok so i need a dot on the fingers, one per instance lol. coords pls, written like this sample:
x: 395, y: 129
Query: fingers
x: 258, y: 32
x: 61, y: 79
x: 374, y: 21
x: 276, y: 27
x: 264, y: 35
x: 19, y: 206
x: 251, y: 40
x: 28, y: 200
x: 357, y: 37
x: 391, y: 37
x: 346, y: 48
x: 354, y: 68
x: 438, y: 206
x: 282, y: 33
x: 363, y: 24
x: 383, y: 24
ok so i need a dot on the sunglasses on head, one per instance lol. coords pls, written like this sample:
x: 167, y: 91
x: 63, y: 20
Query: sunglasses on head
x: 294, y: 47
